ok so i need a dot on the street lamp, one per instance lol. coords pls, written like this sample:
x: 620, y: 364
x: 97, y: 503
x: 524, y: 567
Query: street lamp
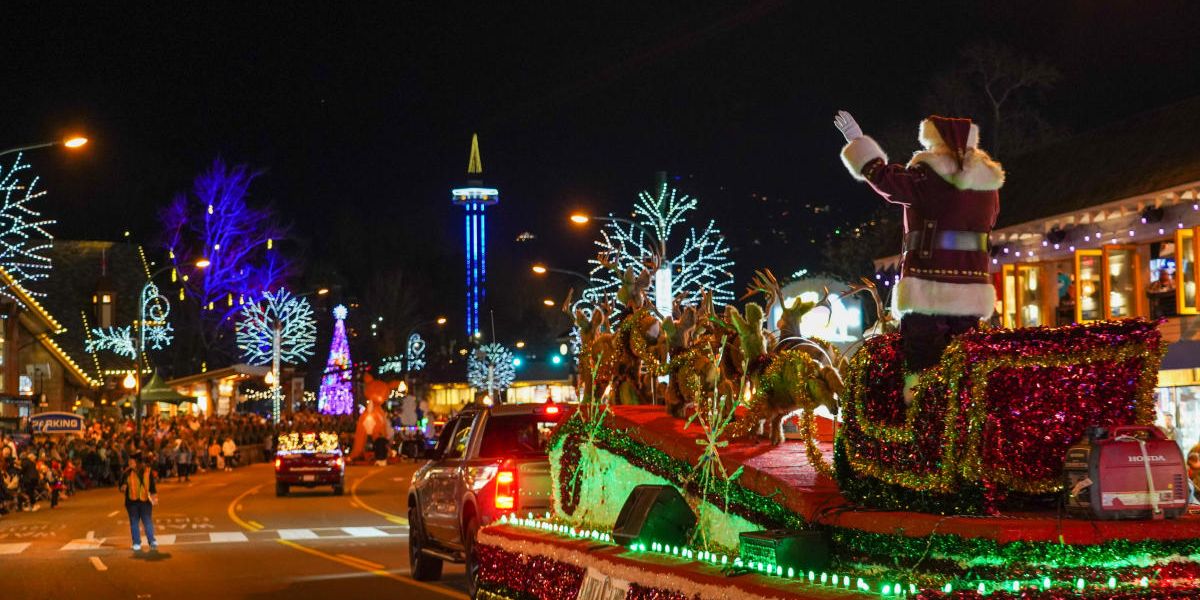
x: 548, y: 302
x: 150, y: 305
x: 71, y: 142
x: 541, y: 269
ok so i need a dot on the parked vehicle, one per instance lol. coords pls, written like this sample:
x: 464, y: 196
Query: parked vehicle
x: 487, y: 462
x: 309, y: 460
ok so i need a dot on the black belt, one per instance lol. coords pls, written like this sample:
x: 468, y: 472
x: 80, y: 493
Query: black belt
x: 966, y: 241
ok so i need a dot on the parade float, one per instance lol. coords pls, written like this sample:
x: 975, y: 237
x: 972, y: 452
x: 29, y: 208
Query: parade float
x: 948, y: 481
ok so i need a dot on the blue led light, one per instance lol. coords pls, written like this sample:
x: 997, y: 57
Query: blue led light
x: 556, y: 359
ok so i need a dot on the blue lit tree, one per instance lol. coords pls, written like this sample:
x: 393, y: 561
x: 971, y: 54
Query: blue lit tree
x: 214, y: 222
x: 23, y: 237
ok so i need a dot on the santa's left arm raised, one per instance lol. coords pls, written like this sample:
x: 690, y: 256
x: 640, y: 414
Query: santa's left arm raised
x: 866, y: 160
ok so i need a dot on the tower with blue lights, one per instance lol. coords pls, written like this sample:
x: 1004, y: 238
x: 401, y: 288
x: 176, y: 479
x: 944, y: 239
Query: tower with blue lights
x: 474, y: 198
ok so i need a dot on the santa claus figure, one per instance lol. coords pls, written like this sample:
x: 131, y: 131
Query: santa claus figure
x: 950, y: 196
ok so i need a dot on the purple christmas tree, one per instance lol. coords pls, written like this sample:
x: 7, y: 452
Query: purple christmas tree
x: 337, y: 394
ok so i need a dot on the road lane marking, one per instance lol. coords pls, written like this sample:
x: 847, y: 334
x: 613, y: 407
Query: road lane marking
x: 362, y: 561
x: 397, y: 519
x: 378, y: 572
x: 165, y: 539
x: 218, y: 537
x: 91, y: 535
x: 233, y: 516
x: 297, y: 534
x: 83, y: 544
x: 365, y: 531
x: 99, y: 564
x: 113, y: 513
x: 13, y: 548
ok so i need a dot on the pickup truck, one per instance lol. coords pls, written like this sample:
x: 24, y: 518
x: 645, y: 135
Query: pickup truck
x: 309, y: 459
x: 488, y: 462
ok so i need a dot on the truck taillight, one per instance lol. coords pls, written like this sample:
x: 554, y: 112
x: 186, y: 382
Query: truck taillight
x: 339, y: 462
x: 506, y: 490
x: 278, y: 462
x: 551, y: 409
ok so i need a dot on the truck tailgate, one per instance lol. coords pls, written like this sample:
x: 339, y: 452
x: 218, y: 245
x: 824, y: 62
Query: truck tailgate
x: 534, y: 485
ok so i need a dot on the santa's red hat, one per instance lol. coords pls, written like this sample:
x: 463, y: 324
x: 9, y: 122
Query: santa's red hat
x: 953, y: 134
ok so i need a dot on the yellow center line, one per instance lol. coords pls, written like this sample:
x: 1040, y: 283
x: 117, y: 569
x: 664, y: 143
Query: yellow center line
x: 362, y: 561
x: 394, y: 518
x: 356, y: 564
x: 234, y: 505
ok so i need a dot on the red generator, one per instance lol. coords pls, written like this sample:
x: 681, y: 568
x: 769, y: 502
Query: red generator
x: 1133, y: 472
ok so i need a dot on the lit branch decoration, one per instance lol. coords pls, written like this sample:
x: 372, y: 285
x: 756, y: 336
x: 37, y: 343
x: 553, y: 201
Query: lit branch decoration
x: 297, y: 328
x: 23, y: 237
x: 701, y: 264
x: 490, y: 367
x: 413, y: 358
x: 118, y: 340
x: 156, y: 332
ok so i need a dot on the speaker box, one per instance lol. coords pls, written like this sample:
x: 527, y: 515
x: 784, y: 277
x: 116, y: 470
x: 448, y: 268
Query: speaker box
x: 801, y: 550
x: 654, y: 513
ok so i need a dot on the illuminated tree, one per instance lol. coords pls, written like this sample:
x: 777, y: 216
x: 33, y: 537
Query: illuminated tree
x: 23, y: 237
x: 684, y: 271
x: 336, y: 395
x: 215, y: 223
x: 490, y: 367
x: 292, y: 315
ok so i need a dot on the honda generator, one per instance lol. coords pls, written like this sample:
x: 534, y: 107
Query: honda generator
x: 1132, y: 472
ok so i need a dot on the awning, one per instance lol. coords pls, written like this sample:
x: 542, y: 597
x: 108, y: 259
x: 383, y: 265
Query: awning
x: 1183, y: 354
x: 157, y: 391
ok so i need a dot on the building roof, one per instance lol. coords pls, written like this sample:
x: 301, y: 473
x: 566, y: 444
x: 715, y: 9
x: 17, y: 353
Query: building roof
x: 78, y: 267
x: 1146, y: 153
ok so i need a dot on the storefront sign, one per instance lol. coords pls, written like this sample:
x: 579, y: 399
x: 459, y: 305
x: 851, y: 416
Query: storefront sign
x: 56, y: 422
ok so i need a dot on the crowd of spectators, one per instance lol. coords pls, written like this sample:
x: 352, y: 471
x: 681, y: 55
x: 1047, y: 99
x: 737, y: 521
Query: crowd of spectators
x: 47, y: 468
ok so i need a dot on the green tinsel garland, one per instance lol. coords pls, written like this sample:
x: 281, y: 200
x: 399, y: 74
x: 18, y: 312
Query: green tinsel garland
x: 751, y: 505
x: 982, y: 551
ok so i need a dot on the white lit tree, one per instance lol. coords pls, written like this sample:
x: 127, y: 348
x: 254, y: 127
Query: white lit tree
x: 490, y: 367
x: 23, y: 235
x: 291, y: 315
x: 684, y: 270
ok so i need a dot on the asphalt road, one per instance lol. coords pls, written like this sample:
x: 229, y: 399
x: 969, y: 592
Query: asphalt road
x: 224, y: 535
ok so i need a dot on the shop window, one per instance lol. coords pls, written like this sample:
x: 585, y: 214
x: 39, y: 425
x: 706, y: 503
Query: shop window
x: 1185, y: 275
x: 1089, y: 290
x: 1122, y: 279
x: 1021, y: 299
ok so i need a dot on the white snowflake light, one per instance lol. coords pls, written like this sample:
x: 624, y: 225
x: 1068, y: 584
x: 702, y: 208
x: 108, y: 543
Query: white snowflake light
x: 23, y: 237
x: 297, y: 328
x: 700, y: 264
x: 490, y: 367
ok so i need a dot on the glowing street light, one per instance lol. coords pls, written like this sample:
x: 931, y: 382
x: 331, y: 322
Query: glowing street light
x: 129, y: 382
x: 203, y: 263
x: 539, y: 269
x: 548, y: 302
x: 441, y: 320
x: 520, y: 344
x: 71, y: 142
x: 580, y: 218
x: 269, y: 378
x: 323, y: 291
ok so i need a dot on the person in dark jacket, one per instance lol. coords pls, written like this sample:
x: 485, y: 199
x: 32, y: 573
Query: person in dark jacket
x: 141, y: 494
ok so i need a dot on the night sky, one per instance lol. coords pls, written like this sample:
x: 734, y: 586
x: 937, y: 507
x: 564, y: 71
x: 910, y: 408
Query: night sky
x: 360, y: 117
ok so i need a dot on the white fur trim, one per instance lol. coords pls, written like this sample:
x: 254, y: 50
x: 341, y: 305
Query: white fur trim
x: 928, y: 135
x: 859, y: 152
x: 973, y: 136
x: 979, y: 171
x: 914, y: 294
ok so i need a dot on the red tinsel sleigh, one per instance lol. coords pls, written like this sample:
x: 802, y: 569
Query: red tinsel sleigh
x: 994, y: 418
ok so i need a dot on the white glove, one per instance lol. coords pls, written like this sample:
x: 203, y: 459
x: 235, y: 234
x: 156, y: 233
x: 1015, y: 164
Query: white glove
x: 847, y: 125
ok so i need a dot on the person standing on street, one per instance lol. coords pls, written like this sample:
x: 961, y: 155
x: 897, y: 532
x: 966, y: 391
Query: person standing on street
x: 141, y: 494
